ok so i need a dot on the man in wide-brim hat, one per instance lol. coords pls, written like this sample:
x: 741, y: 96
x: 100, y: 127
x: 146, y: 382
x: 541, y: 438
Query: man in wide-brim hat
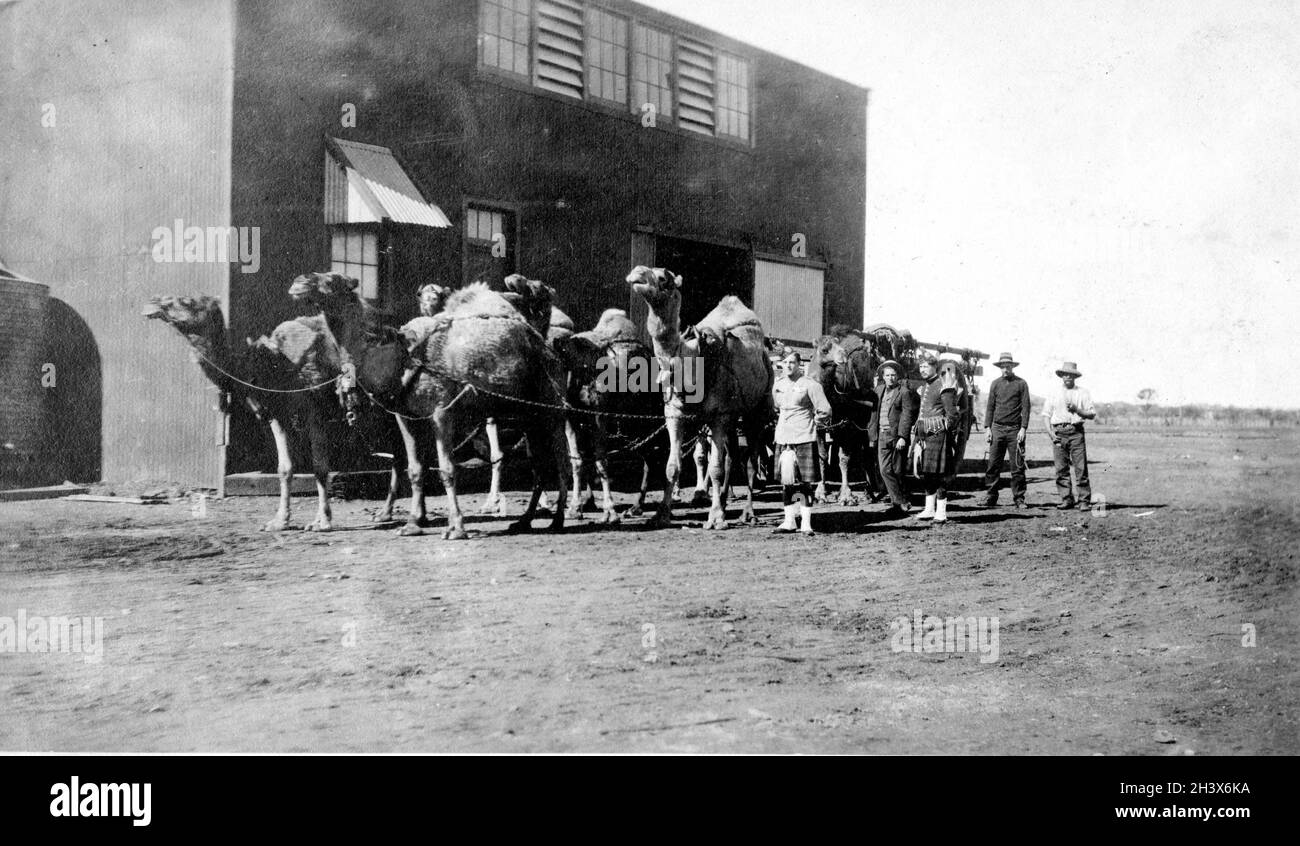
x: 1065, y: 410
x: 1006, y: 422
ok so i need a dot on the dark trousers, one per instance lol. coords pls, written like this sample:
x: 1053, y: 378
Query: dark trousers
x: 893, y: 466
x: 1004, y: 442
x: 1070, y: 450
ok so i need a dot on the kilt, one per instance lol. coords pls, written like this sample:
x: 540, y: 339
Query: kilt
x: 807, y: 463
x: 938, y: 454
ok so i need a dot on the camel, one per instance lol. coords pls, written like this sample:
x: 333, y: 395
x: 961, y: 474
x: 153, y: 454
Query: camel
x: 845, y: 364
x: 527, y: 294
x: 483, y: 357
x: 729, y: 350
x: 289, y: 374
x: 432, y: 299
x: 477, y: 358
x: 609, y: 371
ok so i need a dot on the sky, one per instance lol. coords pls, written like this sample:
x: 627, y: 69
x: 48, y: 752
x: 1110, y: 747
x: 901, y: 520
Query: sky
x: 1111, y: 183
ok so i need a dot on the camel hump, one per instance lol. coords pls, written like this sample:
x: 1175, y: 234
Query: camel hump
x: 296, y: 339
x: 478, y: 300
x: 730, y: 314
x: 615, y: 326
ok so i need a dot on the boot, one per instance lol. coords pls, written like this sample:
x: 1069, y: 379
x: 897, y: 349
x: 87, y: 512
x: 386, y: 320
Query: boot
x: 788, y: 527
x: 805, y: 519
x: 941, y: 511
x: 928, y: 513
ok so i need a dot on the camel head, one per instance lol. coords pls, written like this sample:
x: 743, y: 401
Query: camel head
x: 325, y: 290
x: 432, y: 298
x: 191, y: 316
x: 533, y: 299
x: 661, y: 288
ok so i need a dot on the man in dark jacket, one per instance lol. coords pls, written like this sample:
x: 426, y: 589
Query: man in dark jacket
x: 1006, y: 422
x: 897, y: 414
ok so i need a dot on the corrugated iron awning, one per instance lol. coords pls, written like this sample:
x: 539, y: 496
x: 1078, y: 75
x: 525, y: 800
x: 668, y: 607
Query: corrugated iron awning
x: 376, y: 187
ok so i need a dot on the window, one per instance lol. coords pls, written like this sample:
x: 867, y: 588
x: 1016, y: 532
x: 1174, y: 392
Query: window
x: 580, y: 50
x: 733, y: 96
x: 489, y: 244
x: 354, y: 251
x: 652, y: 64
x: 503, y: 35
x: 606, y: 55
x: 695, y: 81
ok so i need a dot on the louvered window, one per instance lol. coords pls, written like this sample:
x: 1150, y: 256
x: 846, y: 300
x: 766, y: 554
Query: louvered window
x: 652, y: 65
x: 503, y: 35
x: 695, y: 86
x: 559, y: 47
x: 606, y: 56
x: 733, y: 96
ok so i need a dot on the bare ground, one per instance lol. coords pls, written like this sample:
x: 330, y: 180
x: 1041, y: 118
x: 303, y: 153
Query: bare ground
x: 1115, y: 629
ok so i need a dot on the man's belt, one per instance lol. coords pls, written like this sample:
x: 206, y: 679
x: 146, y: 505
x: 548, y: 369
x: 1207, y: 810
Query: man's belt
x: 1059, y: 426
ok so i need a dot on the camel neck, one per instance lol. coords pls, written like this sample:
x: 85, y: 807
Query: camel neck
x: 347, y: 324
x: 665, y: 331
x: 214, y: 351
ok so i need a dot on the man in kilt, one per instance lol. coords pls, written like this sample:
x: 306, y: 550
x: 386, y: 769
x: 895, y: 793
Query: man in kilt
x: 935, y: 437
x: 801, y: 406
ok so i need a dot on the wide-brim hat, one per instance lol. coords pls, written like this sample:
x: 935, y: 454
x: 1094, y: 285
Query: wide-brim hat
x: 893, y: 365
x: 1006, y: 358
x: 1068, y: 368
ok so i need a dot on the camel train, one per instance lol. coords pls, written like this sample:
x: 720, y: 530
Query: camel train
x: 476, y: 360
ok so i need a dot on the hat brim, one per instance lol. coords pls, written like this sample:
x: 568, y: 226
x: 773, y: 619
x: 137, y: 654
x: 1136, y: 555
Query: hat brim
x: 1074, y: 373
x: 1006, y: 364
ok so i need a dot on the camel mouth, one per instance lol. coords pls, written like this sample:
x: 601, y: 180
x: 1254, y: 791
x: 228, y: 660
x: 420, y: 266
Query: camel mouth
x: 152, y: 309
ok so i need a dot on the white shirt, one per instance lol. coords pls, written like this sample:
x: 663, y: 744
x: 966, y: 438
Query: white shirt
x: 801, y: 404
x: 1055, y: 407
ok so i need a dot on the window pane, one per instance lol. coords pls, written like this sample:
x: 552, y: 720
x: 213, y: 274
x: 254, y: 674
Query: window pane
x: 607, y: 55
x: 354, y: 245
x: 370, y: 282
x: 503, y: 34
x: 371, y: 248
x: 337, y: 243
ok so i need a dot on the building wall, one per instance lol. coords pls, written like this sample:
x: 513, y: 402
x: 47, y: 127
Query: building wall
x: 583, y: 181
x: 139, y: 95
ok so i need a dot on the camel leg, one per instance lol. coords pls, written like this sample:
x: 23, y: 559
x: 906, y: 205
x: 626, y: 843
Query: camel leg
x: 718, y: 475
x: 672, y: 468
x: 575, y: 460
x: 447, y: 469
x: 320, y: 466
x: 525, y: 522
x: 823, y: 458
x: 846, y: 460
x: 415, y: 520
x: 701, y: 495
x: 398, y: 447
x: 607, y: 505
x: 284, y: 464
x: 385, y: 514
x: 638, y: 507
x: 495, y: 502
x: 749, y: 459
x: 559, y: 454
x: 601, y: 460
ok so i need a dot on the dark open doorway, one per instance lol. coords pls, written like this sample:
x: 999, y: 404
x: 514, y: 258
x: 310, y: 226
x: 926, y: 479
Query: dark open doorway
x: 710, y: 272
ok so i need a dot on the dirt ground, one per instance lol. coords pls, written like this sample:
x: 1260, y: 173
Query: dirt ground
x: 1120, y: 632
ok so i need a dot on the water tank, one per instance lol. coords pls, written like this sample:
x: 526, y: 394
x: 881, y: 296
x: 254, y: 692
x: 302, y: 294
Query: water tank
x: 23, y: 306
